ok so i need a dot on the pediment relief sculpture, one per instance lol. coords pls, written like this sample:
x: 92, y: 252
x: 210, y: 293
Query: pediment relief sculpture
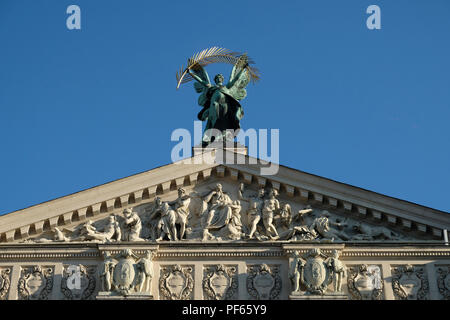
x: 35, y: 283
x: 222, y: 212
x: 126, y: 273
x: 410, y: 282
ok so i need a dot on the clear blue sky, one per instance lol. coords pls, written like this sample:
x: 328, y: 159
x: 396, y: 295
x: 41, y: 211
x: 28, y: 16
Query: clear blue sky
x: 80, y: 108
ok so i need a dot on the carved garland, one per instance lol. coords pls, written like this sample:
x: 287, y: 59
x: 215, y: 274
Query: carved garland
x: 419, y: 272
x: 264, y: 270
x: 208, y: 287
x: 5, y: 283
x: 88, y: 291
x: 443, y: 282
x: 46, y: 276
x: 180, y: 273
x: 353, y: 273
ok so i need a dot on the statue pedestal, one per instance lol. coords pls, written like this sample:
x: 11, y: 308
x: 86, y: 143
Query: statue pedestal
x: 303, y: 296
x: 132, y: 296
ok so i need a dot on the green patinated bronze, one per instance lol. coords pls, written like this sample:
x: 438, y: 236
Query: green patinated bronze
x: 220, y: 104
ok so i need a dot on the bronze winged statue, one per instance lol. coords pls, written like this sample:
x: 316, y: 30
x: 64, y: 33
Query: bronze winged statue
x: 220, y: 104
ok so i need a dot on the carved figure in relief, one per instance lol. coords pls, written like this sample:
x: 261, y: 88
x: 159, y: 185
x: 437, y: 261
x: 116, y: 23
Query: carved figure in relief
x: 181, y: 207
x: 338, y: 269
x: 133, y: 225
x: 145, y: 273
x: 233, y: 229
x: 59, y: 236
x: 294, y: 271
x: 285, y: 216
x: 298, y: 230
x: 155, y: 223
x: 323, y: 226
x: 89, y: 232
x: 166, y: 224
x: 367, y: 232
x: 219, y: 210
x: 254, y: 212
x: 112, y: 230
x: 270, y: 207
x: 106, y: 272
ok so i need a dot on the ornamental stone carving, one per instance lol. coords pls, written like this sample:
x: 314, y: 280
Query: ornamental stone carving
x: 410, y: 282
x: 126, y: 274
x: 176, y: 282
x: 316, y: 271
x: 264, y: 282
x: 5, y: 282
x: 35, y: 283
x: 220, y: 282
x: 78, y: 282
x: 211, y: 213
x: 443, y: 281
x: 365, y: 283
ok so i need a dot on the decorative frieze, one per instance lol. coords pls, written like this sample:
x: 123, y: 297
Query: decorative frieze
x: 410, y: 282
x: 220, y: 282
x: 264, y: 281
x: 35, y: 283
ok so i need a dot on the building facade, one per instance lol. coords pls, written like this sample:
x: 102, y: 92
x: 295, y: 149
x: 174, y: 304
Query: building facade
x: 206, y: 230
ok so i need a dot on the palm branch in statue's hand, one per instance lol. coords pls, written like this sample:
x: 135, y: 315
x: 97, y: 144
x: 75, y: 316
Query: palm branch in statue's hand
x: 215, y: 55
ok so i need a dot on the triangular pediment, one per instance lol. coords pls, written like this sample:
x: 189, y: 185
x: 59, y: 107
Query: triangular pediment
x: 364, y: 215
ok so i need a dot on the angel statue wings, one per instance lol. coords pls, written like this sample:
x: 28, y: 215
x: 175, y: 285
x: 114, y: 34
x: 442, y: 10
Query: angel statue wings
x: 220, y: 104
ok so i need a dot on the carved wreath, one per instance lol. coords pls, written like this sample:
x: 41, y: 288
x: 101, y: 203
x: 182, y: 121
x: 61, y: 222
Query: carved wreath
x: 5, y: 282
x: 444, y: 290
x: 231, y: 290
x: 46, y: 275
x: 400, y: 294
x: 377, y: 294
x: 87, y: 293
x: 189, y: 284
x: 273, y: 272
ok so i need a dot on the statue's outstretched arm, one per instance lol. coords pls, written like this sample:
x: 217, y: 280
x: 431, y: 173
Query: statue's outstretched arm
x: 233, y: 81
x: 196, y: 77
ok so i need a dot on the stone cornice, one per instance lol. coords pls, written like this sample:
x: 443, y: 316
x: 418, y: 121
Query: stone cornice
x: 188, y: 250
